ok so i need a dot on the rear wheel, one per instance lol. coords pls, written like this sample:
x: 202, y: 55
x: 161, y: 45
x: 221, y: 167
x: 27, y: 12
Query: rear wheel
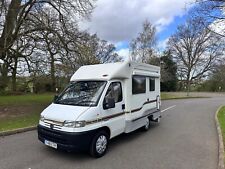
x: 147, y: 125
x: 99, y: 144
x: 158, y: 120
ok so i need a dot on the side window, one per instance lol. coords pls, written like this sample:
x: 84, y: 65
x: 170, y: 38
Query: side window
x: 115, y: 91
x: 152, y: 84
x: 138, y: 84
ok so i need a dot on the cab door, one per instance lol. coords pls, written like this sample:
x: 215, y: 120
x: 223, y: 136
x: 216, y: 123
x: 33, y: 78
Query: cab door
x: 114, y: 115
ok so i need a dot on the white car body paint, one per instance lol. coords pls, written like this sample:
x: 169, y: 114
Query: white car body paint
x: 59, y: 112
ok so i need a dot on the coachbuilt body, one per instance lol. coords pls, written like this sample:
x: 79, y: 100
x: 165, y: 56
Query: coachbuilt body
x: 101, y: 102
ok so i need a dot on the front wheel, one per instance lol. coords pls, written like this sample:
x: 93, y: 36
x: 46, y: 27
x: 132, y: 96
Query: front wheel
x: 99, y: 144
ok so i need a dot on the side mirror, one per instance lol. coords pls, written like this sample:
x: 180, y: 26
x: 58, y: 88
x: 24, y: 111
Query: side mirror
x: 109, y: 103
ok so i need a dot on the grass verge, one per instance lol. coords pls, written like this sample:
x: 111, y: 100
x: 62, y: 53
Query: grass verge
x: 221, y: 118
x: 24, y: 100
x: 19, y: 122
x: 178, y: 95
x: 22, y: 110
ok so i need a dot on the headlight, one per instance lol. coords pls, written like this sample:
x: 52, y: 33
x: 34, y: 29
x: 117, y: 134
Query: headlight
x: 42, y: 118
x: 74, y: 124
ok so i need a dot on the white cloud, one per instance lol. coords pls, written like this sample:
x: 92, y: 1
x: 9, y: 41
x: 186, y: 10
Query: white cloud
x: 124, y: 53
x: 121, y: 20
x: 162, y: 44
x: 218, y: 26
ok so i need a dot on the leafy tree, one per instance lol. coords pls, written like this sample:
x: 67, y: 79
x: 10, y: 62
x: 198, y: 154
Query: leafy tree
x: 168, y: 70
x: 216, y: 80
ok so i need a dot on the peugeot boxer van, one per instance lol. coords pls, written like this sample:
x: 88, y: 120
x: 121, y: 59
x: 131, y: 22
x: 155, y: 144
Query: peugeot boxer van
x: 100, y: 102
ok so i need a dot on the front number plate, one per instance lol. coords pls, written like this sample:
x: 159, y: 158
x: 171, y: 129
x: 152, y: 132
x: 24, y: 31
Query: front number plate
x: 51, y: 144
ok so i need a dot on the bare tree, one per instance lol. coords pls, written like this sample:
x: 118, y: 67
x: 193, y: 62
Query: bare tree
x: 84, y: 49
x: 51, y: 41
x: 16, y: 14
x: 43, y: 37
x: 142, y: 48
x: 20, y: 51
x: 195, y: 50
x: 213, y: 13
x: 97, y: 50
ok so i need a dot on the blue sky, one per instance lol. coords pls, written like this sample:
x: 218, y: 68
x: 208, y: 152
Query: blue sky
x: 120, y: 21
x: 171, y: 28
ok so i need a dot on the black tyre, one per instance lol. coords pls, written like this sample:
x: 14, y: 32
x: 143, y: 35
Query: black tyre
x: 158, y: 119
x: 99, y: 144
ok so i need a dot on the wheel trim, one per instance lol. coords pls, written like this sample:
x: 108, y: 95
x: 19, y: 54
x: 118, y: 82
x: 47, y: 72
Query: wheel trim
x: 101, y: 144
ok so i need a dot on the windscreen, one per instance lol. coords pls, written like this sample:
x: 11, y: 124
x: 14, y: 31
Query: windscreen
x: 82, y: 93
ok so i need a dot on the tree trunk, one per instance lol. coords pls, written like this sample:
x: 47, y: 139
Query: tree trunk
x: 14, y: 75
x: 4, y: 77
x: 188, y: 87
x: 6, y: 38
x: 53, y: 79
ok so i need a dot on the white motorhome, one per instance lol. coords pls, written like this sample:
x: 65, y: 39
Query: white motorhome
x: 101, y: 102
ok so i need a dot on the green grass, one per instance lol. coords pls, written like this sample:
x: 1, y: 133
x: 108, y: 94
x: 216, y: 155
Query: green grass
x: 19, y: 122
x: 221, y: 118
x: 23, y: 110
x: 25, y: 99
x: 177, y: 95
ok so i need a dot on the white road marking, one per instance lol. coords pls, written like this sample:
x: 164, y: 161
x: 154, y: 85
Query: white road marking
x: 168, y: 108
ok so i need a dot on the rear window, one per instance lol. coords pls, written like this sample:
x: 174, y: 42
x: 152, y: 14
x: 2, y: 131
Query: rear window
x: 138, y: 84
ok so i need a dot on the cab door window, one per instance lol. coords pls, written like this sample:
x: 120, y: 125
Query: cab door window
x: 115, y: 91
x: 152, y: 84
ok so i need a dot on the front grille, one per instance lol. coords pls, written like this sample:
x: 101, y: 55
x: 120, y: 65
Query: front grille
x: 52, y: 135
x: 56, y: 124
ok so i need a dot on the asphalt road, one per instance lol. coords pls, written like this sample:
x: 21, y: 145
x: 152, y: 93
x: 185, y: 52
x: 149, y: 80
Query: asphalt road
x: 185, y: 139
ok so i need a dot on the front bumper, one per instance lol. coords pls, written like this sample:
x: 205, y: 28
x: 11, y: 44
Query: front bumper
x: 66, y: 140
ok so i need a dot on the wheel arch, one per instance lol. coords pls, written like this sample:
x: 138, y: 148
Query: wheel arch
x: 106, y: 129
